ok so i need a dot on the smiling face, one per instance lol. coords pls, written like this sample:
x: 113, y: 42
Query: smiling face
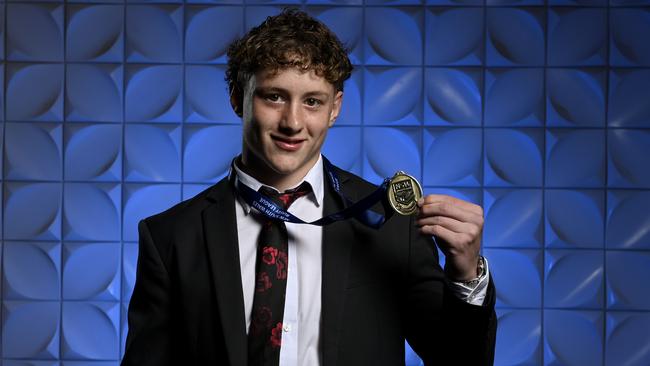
x: 286, y: 115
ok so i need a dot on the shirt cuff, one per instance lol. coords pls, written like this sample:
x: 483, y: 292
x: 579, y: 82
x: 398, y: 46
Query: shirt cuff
x: 474, y: 295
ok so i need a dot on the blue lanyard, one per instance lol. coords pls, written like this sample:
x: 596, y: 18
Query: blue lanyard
x: 359, y: 210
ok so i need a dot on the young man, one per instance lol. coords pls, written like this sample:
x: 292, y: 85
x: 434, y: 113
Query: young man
x: 221, y: 283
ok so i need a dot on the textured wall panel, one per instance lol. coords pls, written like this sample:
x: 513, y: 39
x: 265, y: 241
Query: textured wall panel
x: 626, y: 284
x: 574, y: 279
x: 26, y: 103
x: 95, y: 33
x: 454, y: 2
x: 405, y: 152
x: 582, y: 2
x: 568, y: 213
x: 466, y: 48
x: 575, y: 97
x: 152, y: 152
x: 334, y: 2
x: 627, y: 163
x: 573, y: 337
x: 153, y: 93
x: 206, y: 97
x: 514, y: 97
x: 627, y: 219
x: 352, y: 103
x: 628, y: 93
x: 90, y: 330
x: 453, y: 97
x: 91, y: 211
x: 453, y: 156
x: 40, y: 202
x: 31, y: 363
x: 91, y: 271
x: 628, y: 47
x: 525, y: 47
x: 35, y: 32
x: 31, y: 271
x: 519, y: 275
x: 124, y: 331
x: 129, y: 265
x: 39, y: 160
x: 519, y: 338
x: 347, y: 158
x: 31, y: 329
x: 577, y: 36
x: 2, y: 90
x: 393, y: 96
x: 627, y: 339
x: 2, y: 33
x: 411, y: 358
x: 347, y: 24
x: 214, y: 147
x: 209, y: 30
x: 538, y: 111
x: 398, y: 42
x: 257, y: 14
x: 513, y: 157
x: 94, y: 93
x: 514, y: 2
x: 93, y: 152
x: 575, y: 158
x: 513, y: 218
x: 154, y: 33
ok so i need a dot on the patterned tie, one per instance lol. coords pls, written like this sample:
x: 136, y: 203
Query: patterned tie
x: 265, y: 332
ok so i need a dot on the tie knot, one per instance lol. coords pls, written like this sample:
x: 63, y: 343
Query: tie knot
x: 288, y: 197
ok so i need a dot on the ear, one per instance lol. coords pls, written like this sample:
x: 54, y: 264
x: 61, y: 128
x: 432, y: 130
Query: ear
x: 336, y: 109
x: 236, y: 101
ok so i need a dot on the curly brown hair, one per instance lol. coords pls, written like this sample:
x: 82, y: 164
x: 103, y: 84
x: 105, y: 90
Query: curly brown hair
x: 290, y: 39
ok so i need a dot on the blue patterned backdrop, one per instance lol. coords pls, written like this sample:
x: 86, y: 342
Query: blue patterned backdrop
x: 537, y: 110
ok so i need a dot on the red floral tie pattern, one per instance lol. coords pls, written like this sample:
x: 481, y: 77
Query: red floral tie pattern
x: 265, y: 332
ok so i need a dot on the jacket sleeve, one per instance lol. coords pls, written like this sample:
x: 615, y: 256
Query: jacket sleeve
x: 442, y: 329
x: 149, y: 340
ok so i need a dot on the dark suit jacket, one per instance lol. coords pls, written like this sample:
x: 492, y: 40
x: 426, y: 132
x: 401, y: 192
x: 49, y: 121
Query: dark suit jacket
x: 378, y: 288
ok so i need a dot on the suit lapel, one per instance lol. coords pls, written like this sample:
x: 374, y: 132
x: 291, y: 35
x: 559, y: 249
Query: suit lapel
x: 220, y: 229
x: 337, y: 239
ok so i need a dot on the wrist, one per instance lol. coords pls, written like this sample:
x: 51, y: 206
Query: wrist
x: 475, y: 272
x: 480, y: 273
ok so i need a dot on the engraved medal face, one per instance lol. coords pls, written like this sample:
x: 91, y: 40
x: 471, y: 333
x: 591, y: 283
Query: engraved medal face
x: 404, y: 191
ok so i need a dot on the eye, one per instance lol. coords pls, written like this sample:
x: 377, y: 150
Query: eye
x: 313, y: 102
x: 273, y: 97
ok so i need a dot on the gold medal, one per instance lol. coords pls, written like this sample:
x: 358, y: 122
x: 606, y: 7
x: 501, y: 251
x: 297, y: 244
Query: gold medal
x: 404, y: 191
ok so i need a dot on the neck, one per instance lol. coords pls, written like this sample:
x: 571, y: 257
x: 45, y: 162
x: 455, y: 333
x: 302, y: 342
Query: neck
x: 268, y: 176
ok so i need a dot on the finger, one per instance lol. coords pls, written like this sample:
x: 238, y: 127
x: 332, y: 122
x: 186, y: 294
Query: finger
x: 451, y: 241
x: 434, y: 198
x: 449, y: 210
x: 451, y: 224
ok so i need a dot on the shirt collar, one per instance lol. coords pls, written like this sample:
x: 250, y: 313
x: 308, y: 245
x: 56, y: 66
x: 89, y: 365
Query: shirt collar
x: 314, y: 177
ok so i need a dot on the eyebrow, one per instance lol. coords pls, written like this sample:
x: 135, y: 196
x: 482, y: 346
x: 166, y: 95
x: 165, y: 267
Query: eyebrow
x: 271, y: 89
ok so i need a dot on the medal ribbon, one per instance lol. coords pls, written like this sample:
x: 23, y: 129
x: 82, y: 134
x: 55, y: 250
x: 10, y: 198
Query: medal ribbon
x: 359, y: 210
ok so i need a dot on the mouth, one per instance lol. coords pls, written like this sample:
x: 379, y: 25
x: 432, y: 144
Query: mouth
x: 287, y: 144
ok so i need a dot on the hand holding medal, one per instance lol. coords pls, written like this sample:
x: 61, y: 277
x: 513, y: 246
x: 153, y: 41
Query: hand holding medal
x: 456, y: 223
x: 458, y: 226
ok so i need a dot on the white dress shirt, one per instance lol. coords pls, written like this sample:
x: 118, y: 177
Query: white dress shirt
x: 302, y: 306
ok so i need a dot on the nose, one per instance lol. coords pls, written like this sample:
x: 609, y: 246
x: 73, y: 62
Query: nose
x: 292, y: 119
